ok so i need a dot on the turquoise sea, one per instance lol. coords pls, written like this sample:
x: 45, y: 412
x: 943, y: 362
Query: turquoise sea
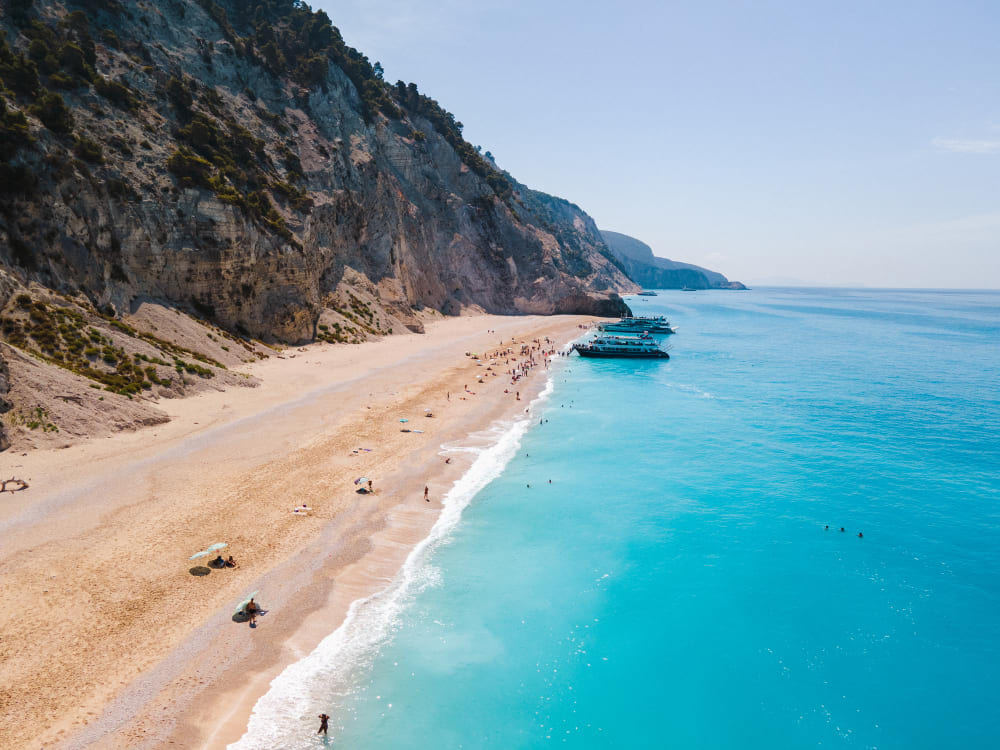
x: 675, y: 586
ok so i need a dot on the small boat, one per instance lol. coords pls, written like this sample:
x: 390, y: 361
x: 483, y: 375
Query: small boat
x: 628, y: 347
x: 688, y: 289
x: 648, y: 294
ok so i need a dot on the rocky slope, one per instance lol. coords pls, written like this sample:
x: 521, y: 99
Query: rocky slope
x: 237, y: 161
x: 654, y: 272
x: 5, y: 404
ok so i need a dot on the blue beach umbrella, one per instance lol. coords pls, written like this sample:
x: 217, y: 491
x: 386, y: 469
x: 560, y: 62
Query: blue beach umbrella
x: 209, y: 550
x: 404, y: 419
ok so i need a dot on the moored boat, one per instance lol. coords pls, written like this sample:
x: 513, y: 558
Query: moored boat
x: 634, y: 347
x: 640, y: 324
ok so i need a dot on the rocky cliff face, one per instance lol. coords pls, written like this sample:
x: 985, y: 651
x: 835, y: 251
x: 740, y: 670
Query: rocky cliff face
x: 5, y: 405
x: 237, y: 163
x: 191, y: 160
x: 654, y: 272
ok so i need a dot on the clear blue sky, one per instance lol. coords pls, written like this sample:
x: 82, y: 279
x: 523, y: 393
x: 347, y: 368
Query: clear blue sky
x: 824, y: 142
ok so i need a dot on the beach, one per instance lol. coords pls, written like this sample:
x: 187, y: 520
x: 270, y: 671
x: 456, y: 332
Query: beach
x: 112, y: 637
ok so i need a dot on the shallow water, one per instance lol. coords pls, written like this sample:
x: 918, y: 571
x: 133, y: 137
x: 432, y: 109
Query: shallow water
x: 674, y: 585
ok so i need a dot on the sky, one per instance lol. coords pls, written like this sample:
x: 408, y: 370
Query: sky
x: 795, y: 142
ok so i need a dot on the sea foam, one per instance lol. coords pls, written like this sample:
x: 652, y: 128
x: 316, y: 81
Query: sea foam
x: 286, y: 713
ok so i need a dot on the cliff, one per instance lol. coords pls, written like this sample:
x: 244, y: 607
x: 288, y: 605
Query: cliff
x: 654, y: 272
x: 5, y: 405
x: 238, y: 163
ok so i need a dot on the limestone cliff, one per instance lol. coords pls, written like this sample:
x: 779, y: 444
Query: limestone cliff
x: 238, y: 159
x: 654, y: 272
x: 5, y: 405
x: 181, y: 181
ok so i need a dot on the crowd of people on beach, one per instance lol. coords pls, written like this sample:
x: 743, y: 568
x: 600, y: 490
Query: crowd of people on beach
x: 520, y: 362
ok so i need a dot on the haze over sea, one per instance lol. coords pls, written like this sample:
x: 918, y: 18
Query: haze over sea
x: 675, y: 585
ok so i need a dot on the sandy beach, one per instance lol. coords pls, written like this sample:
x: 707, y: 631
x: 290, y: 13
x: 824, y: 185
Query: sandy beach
x: 111, y: 637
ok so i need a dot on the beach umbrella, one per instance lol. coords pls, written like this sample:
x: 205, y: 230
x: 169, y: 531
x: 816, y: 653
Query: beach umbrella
x: 216, y: 547
x: 361, y: 480
x: 196, y: 555
x: 404, y: 419
x: 242, y: 605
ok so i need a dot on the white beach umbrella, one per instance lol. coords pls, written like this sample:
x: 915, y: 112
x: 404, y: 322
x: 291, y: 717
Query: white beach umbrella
x: 242, y: 605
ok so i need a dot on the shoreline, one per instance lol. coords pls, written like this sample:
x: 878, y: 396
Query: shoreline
x: 226, y: 463
x: 238, y: 727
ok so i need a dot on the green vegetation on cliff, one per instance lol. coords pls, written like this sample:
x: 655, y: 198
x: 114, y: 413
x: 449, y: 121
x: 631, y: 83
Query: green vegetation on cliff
x: 289, y: 38
x: 124, y: 126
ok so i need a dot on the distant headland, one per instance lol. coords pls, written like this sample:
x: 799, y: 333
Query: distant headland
x: 654, y: 272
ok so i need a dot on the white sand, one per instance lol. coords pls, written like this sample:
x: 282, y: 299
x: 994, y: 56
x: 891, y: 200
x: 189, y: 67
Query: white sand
x: 107, y: 639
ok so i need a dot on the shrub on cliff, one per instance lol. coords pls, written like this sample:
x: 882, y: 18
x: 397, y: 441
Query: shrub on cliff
x: 115, y: 92
x: 14, y: 131
x: 179, y: 96
x: 18, y: 73
x: 53, y: 112
x: 17, y: 180
x: 73, y: 60
x: 88, y: 150
x: 190, y: 168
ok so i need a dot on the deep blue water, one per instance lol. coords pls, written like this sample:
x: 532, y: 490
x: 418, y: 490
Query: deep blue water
x: 675, y: 586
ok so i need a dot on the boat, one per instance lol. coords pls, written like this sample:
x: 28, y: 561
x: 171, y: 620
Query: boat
x: 648, y: 294
x: 688, y: 289
x: 630, y: 347
x: 650, y: 324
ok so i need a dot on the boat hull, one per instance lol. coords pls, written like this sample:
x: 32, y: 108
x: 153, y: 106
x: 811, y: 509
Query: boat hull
x: 584, y: 352
x: 612, y: 328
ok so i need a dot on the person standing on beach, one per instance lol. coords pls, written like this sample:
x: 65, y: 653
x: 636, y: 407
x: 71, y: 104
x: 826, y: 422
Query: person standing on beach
x: 323, y: 719
x: 426, y: 499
